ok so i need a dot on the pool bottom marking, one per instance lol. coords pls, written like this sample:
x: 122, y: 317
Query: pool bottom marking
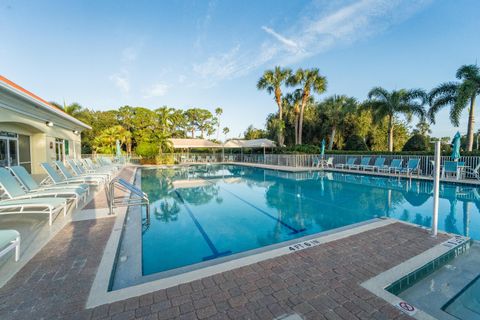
x: 205, y: 236
x: 294, y: 230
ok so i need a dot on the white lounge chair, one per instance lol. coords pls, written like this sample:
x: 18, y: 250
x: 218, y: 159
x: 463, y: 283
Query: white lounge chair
x: 64, y: 191
x: 20, y: 201
x: 89, y: 169
x: 363, y: 163
x: 68, y: 175
x: 395, y: 166
x: 10, y: 240
x: 350, y: 163
x: 379, y: 163
x: 56, y: 178
x: 79, y: 171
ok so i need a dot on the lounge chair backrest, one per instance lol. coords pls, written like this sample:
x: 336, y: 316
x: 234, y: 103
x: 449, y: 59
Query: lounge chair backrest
x: 379, y: 162
x: 24, y: 177
x: 330, y: 161
x: 351, y: 161
x: 80, y: 165
x: 396, y: 163
x: 11, y: 186
x: 90, y: 163
x: 52, y: 173
x: 365, y: 161
x: 413, y: 163
x: 451, y: 166
x: 63, y: 169
x: 106, y: 161
x: 74, y: 166
x: 85, y: 164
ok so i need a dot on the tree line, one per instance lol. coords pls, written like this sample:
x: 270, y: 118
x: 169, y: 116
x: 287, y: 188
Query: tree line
x: 143, y: 130
x: 373, y: 124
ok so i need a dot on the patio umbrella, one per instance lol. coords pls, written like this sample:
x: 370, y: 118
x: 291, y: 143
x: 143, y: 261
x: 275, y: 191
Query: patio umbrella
x: 119, y: 150
x: 322, y: 152
x: 456, y: 147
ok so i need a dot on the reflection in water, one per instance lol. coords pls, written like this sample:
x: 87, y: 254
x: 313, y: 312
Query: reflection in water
x: 310, y: 201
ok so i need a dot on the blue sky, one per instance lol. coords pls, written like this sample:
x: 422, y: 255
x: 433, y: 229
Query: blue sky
x: 105, y: 54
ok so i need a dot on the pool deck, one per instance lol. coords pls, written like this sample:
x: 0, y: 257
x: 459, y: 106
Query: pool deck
x: 322, y: 282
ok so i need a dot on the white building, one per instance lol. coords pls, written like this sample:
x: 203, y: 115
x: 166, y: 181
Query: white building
x: 33, y: 131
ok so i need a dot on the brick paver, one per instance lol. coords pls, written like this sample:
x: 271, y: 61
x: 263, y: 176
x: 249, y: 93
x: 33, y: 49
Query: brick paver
x: 317, y: 283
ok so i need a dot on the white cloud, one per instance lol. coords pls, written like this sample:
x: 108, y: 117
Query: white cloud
x: 349, y: 23
x: 328, y: 26
x: 121, y: 81
x: 287, y: 42
x: 220, y: 66
x: 156, y: 90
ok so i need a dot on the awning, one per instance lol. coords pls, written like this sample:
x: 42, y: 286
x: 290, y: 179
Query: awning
x: 254, y: 143
x: 194, y: 143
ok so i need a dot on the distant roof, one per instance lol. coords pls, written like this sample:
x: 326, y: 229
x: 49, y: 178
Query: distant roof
x: 12, y: 86
x: 194, y: 143
x: 254, y: 143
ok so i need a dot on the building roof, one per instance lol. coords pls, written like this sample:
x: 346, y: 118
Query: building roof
x: 194, y: 143
x: 15, y: 88
x: 254, y: 143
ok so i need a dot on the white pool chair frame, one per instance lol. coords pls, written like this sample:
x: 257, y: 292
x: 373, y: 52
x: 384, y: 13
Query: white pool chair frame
x: 14, y: 244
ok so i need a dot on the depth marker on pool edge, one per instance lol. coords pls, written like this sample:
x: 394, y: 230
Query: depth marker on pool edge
x: 209, y: 242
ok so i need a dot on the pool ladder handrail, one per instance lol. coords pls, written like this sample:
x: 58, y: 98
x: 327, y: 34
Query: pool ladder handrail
x: 135, y: 197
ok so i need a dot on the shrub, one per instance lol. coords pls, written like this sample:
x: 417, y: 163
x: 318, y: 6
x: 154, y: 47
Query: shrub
x: 355, y: 143
x: 165, y: 158
x: 147, y: 150
x: 417, y: 143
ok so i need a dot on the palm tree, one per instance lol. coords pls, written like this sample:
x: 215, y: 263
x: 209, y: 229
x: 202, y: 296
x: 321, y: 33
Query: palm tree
x: 458, y: 95
x: 385, y: 104
x: 309, y: 80
x: 225, y: 130
x: 272, y: 81
x: 71, y: 109
x: 106, y: 141
x: 165, y: 119
x: 218, y: 113
x: 292, y: 102
x: 336, y: 109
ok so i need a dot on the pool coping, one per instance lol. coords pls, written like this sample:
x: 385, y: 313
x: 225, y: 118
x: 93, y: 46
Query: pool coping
x: 100, y: 295
x: 358, y: 172
x: 378, y: 284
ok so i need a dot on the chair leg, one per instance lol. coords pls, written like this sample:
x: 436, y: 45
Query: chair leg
x: 17, y: 250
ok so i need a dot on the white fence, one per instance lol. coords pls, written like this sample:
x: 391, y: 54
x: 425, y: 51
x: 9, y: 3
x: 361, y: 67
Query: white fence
x: 307, y: 160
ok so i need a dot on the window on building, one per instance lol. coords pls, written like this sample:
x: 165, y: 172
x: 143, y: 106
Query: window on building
x: 8, y: 149
x: 59, y: 149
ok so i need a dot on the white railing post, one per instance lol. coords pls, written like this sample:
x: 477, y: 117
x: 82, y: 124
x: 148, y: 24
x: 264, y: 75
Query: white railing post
x: 436, y: 187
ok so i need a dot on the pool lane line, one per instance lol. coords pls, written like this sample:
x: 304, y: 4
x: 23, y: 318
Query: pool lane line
x: 294, y: 230
x: 205, y: 236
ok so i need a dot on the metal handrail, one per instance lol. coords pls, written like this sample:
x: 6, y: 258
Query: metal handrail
x: 134, y: 198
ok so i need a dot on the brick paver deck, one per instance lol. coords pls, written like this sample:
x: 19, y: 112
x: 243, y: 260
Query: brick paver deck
x: 317, y: 283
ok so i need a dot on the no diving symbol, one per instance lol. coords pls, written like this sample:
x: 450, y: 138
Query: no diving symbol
x: 406, y: 307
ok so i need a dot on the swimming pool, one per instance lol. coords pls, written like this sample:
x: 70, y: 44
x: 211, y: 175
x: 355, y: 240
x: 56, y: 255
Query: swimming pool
x: 200, y: 213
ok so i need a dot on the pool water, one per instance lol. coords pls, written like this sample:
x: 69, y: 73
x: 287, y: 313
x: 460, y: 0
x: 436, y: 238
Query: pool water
x: 467, y: 304
x: 200, y: 213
